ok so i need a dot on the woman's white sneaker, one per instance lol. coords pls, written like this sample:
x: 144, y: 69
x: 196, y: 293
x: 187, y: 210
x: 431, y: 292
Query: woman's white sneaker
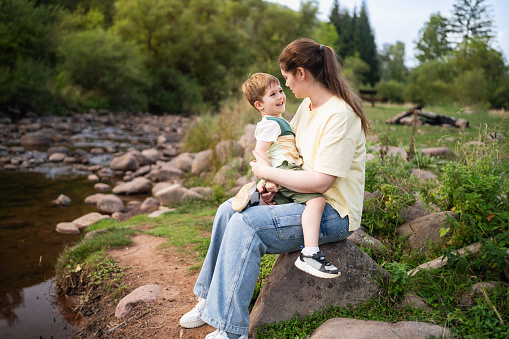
x: 192, y: 318
x: 220, y: 334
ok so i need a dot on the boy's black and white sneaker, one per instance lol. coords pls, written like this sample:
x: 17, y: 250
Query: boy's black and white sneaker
x: 317, y: 265
x: 247, y: 196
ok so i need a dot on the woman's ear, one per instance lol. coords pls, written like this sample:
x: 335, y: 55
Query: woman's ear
x: 301, y: 72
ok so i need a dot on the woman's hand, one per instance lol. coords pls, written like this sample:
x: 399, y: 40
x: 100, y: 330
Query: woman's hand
x: 259, y: 165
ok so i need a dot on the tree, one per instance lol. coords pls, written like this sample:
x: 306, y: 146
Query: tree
x: 367, y: 46
x: 433, y: 43
x: 470, y: 18
x: 342, y: 21
x: 479, y: 60
x: 392, y: 60
x: 27, y: 54
x: 109, y: 71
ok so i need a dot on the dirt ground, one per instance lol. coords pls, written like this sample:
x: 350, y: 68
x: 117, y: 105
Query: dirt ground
x: 148, y: 265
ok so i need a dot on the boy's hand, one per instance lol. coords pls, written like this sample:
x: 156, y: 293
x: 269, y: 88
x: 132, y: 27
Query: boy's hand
x: 261, y: 186
x: 264, y: 194
x: 271, y: 187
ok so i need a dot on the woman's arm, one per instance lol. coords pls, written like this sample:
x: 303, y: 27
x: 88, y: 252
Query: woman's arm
x: 298, y: 181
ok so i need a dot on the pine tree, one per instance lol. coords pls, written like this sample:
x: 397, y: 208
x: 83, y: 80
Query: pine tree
x: 367, y: 46
x: 470, y: 18
x: 343, y: 24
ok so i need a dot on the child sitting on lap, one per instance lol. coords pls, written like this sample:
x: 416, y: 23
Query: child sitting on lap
x: 275, y: 142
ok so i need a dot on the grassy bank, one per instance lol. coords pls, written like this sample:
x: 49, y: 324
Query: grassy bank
x: 472, y: 182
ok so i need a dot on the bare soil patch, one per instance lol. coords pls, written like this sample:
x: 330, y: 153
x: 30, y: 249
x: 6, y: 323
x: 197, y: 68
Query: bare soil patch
x: 148, y: 264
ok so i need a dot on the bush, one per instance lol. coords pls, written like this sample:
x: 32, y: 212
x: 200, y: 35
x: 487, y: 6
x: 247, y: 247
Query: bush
x: 25, y: 86
x: 392, y: 90
x: 471, y: 88
x: 429, y: 83
x: 105, y: 68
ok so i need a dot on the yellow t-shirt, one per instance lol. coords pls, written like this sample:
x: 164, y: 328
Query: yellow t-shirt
x: 331, y: 141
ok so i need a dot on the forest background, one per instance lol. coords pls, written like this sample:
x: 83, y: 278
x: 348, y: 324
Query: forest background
x: 189, y: 56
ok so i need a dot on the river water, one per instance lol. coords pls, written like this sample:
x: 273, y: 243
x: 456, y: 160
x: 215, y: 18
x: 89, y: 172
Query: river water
x: 29, y: 246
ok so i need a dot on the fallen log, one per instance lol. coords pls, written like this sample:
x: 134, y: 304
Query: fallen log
x: 430, y: 118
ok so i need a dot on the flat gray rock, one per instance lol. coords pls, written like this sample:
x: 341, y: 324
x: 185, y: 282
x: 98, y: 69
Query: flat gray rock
x: 67, y: 228
x: 346, y: 328
x: 89, y: 219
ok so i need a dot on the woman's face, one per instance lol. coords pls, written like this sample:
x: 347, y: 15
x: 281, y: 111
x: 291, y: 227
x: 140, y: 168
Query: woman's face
x: 294, y: 83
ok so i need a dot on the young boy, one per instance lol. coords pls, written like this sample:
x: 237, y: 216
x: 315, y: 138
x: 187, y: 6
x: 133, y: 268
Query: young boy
x: 275, y: 141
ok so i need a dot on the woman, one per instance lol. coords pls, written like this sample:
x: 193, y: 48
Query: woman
x: 330, y: 128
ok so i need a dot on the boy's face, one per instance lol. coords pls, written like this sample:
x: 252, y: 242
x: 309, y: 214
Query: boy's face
x: 273, y: 102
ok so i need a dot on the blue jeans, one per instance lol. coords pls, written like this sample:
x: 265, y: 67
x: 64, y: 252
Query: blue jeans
x: 239, y: 240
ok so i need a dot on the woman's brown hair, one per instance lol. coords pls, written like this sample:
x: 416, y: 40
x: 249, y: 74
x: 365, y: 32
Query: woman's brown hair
x: 322, y: 62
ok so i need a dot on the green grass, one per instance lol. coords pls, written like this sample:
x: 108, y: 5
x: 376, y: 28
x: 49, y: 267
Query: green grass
x: 87, y: 262
x: 434, y: 136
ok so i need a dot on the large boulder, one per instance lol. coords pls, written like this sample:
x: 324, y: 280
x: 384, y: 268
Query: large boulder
x: 142, y: 158
x: 361, y: 237
x: 426, y: 229
x: 36, y: 141
x: 175, y: 193
x: 165, y: 174
x: 409, y: 213
x: 152, y: 154
x: 110, y: 204
x: 247, y: 141
x: 183, y: 162
x: 202, y: 162
x: 347, y: 328
x: 159, y: 186
x: 137, y: 186
x: 149, y: 204
x: 126, y: 162
x: 289, y: 290
x: 94, y: 198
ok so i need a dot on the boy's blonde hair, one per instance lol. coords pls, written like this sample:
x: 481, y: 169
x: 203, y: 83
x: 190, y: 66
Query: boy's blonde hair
x: 255, y: 87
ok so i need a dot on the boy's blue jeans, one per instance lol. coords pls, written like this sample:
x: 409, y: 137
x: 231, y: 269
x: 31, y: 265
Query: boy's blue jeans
x: 239, y: 240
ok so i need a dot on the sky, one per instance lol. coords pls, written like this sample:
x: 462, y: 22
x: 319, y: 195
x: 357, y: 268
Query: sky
x: 401, y: 20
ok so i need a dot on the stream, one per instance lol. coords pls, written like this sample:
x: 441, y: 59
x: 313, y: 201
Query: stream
x: 29, y: 183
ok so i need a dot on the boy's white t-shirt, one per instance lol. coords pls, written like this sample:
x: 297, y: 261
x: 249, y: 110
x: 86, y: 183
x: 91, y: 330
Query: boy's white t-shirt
x: 331, y: 141
x: 282, y: 147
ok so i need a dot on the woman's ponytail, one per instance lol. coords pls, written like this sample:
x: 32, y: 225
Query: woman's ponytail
x: 323, y: 64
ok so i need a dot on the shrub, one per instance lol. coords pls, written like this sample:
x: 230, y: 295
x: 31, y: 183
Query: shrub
x: 392, y: 90
x: 106, y: 68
